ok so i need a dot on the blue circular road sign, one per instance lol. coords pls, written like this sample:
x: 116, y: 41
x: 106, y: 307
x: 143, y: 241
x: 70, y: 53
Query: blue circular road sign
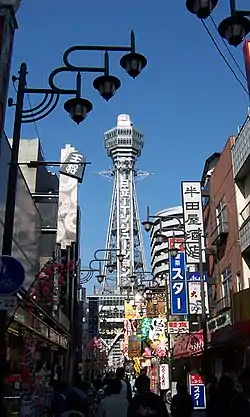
x: 12, y: 275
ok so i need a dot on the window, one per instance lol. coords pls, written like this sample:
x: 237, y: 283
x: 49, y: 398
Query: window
x: 239, y: 283
x: 226, y: 281
x: 221, y: 213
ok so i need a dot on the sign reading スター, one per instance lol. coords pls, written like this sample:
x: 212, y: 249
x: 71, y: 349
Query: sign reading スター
x: 193, y: 221
x: 178, y: 282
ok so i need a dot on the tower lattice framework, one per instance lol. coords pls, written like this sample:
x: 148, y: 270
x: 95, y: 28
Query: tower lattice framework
x: 124, y: 144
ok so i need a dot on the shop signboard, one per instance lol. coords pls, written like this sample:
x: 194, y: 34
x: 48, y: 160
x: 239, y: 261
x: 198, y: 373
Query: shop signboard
x: 178, y: 284
x: 194, y: 293
x: 134, y: 346
x: 177, y: 327
x: 197, y: 391
x: 12, y: 275
x: 74, y: 166
x: 193, y: 221
x: 164, y: 376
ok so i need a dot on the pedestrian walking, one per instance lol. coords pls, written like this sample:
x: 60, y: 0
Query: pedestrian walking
x: 114, y: 404
x: 145, y: 402
x: 182, y: 403
x: 126, y: 390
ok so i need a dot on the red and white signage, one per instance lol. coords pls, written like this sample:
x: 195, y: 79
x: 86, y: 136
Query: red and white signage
x: 177, y: 327
x: 164, y: 376
x: 177, y: 242
x: 195, y: 379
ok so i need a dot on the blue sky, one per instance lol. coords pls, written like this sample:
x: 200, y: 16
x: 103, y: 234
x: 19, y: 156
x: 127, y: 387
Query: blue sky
x: 186, y: 101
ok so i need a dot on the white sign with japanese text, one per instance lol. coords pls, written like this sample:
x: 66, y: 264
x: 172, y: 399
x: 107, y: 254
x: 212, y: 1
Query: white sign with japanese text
x: 164, y: 376
x: 177, y: 327
x: 193, y: 221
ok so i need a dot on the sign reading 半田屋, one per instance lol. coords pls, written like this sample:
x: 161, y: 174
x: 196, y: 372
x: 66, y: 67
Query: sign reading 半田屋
x: 193, y: 221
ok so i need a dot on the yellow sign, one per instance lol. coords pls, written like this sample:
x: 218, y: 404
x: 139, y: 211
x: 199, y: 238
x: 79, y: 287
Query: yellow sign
x: 134, y: 310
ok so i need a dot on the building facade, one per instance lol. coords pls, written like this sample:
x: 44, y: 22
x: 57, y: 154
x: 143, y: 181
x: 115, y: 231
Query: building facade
x: 241, y: 172
x: 224, y: 262
x: 106, y: 322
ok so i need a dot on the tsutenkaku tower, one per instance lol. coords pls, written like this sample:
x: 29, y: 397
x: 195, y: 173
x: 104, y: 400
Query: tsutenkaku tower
x: 124, y: 144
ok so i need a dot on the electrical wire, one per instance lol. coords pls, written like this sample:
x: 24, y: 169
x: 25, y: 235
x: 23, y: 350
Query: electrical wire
x: 223, y: 56
x: 228, y: 50
x: 35, y: 124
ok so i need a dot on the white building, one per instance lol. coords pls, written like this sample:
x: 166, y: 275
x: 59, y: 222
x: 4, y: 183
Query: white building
x: 159, y: 251
x: 106, y: 318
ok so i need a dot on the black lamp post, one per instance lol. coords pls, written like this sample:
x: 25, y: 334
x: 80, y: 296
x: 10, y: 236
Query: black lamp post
x: 77, y: 107
x: 233, y: 28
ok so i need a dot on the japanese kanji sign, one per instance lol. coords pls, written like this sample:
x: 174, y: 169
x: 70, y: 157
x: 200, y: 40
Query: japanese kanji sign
x: 193, y: 221
x: 164, y: 376
x: 194, y: 293
x: 177, y: 327
x: 178, y: 284
x: 197, y: 391
x: 74, y: 166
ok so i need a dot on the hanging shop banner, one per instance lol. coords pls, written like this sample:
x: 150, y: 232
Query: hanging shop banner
x: 246, y: 52
x: 193, y: 221
x: 197, y: 391
x: 178, y: 285
x: 186, y: 345
x: 134, y: 309
x: 164, y: 376
x: 177, y: 327
x: 194, y: 293
x: 134, y: 346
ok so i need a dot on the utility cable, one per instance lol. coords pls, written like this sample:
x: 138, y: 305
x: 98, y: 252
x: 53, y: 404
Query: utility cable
x: 229, y: 51
x: 223, y: 56
x: 35, y: 124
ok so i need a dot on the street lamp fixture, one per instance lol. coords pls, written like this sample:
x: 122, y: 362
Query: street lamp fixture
x: 100, y: 278
x: 201, y: 8
x: 233, y: 28
x: 160, y: 238
x: 173, y: 252
x: 78, y: 108
x: 120, y: 257
x: 133, y: 62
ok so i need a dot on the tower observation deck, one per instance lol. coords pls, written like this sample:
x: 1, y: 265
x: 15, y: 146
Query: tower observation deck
x: 124, y: 144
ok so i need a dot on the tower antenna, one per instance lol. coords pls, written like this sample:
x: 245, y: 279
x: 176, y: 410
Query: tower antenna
x: 124, y: 144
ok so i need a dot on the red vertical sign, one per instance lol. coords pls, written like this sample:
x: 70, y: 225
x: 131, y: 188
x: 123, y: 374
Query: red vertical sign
x: 246, y: 53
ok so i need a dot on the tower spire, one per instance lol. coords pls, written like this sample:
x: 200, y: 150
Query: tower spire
x: 124, y: 144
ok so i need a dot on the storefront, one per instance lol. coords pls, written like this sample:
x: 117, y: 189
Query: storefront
x: 35, y: 352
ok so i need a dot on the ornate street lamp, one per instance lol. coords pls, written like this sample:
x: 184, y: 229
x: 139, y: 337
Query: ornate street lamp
x: 233, y: 28
x: 77, y: 107
x: 201, y: 8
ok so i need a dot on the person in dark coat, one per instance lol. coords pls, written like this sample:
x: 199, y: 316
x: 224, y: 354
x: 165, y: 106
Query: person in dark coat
x: 145, y: 402
x: 182, y: 403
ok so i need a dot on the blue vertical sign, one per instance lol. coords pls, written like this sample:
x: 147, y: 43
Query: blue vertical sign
x: 197, y: 391
x: 178, y: 284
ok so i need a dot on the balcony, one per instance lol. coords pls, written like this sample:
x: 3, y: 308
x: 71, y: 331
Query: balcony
x: 241, y: 152
x: 220, y: 234
x: 244, y: 231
